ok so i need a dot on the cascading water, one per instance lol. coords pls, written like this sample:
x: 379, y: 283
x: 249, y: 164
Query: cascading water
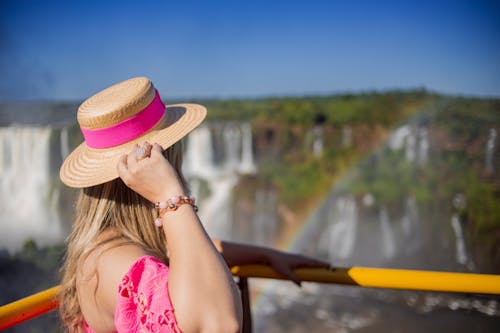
x: 201, y: 167
x: 388, y: 241
x: 317, y: 147
x: 341, y: 230
x: 461, y: 254
x: 247, y: 165
x: 28, y: 199
x: 64, y: 143
x: 398, y: 137
x: 199, y: 159
x: 423, y: 146
x: 411, y: 147
x: 490, y: 150
x: 414, y: 141
x: 232, y: 137
x: 410, y: 226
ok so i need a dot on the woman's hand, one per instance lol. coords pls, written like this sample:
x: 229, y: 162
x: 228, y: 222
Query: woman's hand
x: 284, y: 264
x: 146, y: 171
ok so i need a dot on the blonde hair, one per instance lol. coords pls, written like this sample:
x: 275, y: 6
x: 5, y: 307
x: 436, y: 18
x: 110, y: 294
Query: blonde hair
x: 111, y: 205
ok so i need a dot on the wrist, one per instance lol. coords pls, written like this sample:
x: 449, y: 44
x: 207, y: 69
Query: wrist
x: 172, y: 204
x: 169, y: 192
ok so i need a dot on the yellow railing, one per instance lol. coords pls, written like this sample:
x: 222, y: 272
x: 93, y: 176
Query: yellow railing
x: 29, y: 307
x: 32, y: 306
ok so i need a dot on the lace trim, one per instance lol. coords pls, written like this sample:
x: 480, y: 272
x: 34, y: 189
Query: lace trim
x: 147, y: 320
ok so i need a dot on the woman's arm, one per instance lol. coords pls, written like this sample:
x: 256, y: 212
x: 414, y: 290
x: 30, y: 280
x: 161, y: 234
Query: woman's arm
x: 282, y: 262
x: 202, y: 290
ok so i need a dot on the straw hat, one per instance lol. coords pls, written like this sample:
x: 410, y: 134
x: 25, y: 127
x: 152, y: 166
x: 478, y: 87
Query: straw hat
x: 114, y: 120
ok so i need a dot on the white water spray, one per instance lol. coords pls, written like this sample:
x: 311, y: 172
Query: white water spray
x: 415, y: 143
x: 490, y: 149
x: 199, y: 159
x: 215, y: 210
x: 342, y: 230
x: 247, y: 164
x: 423, y: 146
x: 64, y: 143
x: 460, y: 252
x: 28, y: 201
x: 317, y: 133
x: 398, y: 137
x: 388, y: 241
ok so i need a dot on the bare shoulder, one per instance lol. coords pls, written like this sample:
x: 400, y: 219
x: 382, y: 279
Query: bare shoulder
x: 98, y: 279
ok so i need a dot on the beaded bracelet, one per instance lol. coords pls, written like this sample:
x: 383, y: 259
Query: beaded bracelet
x: 173, y: 204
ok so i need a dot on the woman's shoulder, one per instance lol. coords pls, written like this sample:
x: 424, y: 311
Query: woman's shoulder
x: 98, y: 280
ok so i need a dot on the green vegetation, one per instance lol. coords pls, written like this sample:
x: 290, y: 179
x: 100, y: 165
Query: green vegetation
x: 299, y: 176
x: 338, y: 110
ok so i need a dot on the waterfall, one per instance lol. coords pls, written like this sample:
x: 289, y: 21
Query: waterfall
x: 411, y: 147
x: 28, y: 199
x: 415, y: 143
x: 199, y: 159
x: 388, y: 241
x: 410, y: 226
x: 423, y: 146
x: 317, y: 141
x: 232, y: 138
x: 64, y: 143
x: 461, y: 254
x: 216, y: 208
x: 490, y: 149
x: 398, y: 137
x: 410, y: 218
x: 342, y: 230
x: 247, y: 165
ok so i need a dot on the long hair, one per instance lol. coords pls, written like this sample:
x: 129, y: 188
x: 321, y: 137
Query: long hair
x: 111, y: 205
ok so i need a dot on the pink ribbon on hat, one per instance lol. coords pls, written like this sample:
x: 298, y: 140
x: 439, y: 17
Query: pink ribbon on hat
x: 127, y: 129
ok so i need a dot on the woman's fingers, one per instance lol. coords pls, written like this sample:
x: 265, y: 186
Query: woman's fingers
x: 156, y: 150
x: 122, y: 169
x: 132, y: 158
x: 288, y: 273
x: 147, y: 149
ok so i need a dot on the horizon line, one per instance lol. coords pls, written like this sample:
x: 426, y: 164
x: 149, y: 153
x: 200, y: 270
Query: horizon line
x: 355, y: 92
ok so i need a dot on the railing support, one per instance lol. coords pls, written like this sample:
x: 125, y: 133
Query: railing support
x: 245, y: 300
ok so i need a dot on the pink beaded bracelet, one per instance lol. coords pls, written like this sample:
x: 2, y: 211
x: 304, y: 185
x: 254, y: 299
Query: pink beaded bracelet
x: 173, y: 204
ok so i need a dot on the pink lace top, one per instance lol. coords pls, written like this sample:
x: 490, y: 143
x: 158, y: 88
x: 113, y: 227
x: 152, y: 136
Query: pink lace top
x: 143, y: 301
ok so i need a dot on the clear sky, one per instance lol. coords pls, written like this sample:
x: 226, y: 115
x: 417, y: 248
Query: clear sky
x: 71, y: 49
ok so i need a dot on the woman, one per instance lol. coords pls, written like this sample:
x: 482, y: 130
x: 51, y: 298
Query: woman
x: 137, y: 249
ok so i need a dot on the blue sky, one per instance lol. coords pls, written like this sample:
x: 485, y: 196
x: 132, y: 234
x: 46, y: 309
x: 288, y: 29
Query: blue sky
x: 68, y: 50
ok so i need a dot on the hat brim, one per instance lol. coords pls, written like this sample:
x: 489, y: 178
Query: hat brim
x: 87, y: 166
